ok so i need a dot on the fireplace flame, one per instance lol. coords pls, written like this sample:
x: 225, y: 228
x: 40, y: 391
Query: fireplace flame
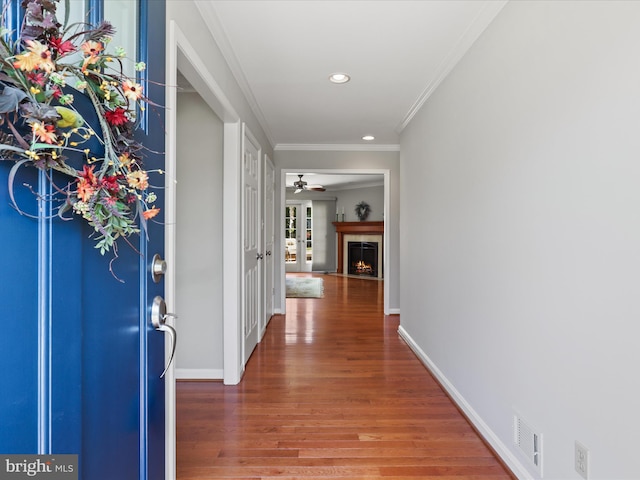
x: 362, y: 267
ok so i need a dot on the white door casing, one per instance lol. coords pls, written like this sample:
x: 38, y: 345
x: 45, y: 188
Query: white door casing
x: 281, y: 306
x: 181, y: 55
x: 269, y: 221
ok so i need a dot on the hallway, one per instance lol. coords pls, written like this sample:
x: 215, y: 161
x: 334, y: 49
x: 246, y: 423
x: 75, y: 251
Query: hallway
x: 330, y: 392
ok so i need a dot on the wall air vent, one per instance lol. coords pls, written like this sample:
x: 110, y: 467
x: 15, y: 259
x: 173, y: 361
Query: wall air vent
x: 529, y: 442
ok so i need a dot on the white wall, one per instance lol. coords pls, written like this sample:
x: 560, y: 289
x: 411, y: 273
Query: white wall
x: 290, y: 160
x: 521, y: 180
x: 192, y: 47
x: 199, y: 239
x: 347, y: 199
x: 190, y: 21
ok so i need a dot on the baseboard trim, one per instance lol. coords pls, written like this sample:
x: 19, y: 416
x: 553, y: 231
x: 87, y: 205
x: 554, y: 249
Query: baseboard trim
x: 394, y: 311
x: 199, y: 374
x: 507, y: 457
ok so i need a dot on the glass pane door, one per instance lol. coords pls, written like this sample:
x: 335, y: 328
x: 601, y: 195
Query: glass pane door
x: 309, y: 254
x: 298, y: 237
x: 290, y: 235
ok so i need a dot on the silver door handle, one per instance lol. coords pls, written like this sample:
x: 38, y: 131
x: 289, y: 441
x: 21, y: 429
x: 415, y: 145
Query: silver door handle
x: 259, y: 256
x: 159, y: 317
x: 268, y: 252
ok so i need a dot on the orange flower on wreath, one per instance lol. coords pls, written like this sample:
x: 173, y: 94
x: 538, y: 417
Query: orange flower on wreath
x: 45, y: 133
x: 88, y: 175
x: 92, y: 52
x: 38, y: 56
x: 152, y: 212
x: 138, y: 180
x: 87, y: 183
x: 132, y: 90
x: 126, y: 160
x: 85, y: 190
x: 91, y: 48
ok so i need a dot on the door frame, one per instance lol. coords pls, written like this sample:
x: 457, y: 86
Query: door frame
x: 280, y: 222
x: 268, y: 218
x: 181, y: 55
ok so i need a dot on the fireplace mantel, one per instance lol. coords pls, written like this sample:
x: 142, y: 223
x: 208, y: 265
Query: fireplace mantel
x: 351, y: 228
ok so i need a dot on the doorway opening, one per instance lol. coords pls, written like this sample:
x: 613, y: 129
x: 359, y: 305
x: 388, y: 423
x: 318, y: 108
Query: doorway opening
x: 339, y: 216
x: 198, y: 238
x: 182, y: 57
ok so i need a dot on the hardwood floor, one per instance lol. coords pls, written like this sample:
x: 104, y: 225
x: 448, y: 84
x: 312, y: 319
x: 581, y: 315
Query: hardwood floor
x: 330, y: 392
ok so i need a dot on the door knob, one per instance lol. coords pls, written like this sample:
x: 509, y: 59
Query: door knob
x: 159, y: 317
x: 158, y: 268
x: 268, y: 252
x: 259, y: 256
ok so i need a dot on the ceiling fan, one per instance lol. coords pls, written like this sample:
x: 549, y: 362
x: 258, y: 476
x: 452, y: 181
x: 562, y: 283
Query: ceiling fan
x: 302, y: 185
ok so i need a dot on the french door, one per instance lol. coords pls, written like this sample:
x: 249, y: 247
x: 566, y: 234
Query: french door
x: 298, y: 235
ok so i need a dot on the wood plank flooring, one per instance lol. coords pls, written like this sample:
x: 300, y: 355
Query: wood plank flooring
x: 330, y: 392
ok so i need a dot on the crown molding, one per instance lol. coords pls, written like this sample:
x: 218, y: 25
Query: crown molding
x: 219, y: 34
x: 479, y: 24
x: 355, y: 187
x: 321, y: 147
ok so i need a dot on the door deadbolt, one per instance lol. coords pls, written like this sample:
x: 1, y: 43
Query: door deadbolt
x: 158, y: 268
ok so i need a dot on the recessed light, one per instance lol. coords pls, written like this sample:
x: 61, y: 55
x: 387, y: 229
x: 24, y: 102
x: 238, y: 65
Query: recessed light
x: 368, y: 138
x: 339, y: 78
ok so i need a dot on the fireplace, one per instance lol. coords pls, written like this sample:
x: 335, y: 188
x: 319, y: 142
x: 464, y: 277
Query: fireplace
x: 362, y: 258
x: 359, y: 232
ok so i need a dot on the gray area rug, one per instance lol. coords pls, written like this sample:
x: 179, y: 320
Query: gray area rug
x: 303, y: 287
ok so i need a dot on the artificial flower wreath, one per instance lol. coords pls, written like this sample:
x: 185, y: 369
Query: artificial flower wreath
x: 362, y: 211
x: 40, y: 126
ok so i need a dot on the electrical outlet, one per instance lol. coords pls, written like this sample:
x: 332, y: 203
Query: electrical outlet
x: 582, y: 460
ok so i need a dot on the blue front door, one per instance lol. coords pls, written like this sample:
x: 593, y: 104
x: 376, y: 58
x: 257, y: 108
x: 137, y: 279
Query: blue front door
x: 80, y: 362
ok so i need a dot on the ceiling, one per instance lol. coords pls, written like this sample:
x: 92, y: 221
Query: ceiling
x: 396, y: 53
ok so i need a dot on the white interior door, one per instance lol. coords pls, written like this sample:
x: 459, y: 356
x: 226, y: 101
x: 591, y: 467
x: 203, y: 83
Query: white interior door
x: 251, y: 241
x: 269, y: 220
